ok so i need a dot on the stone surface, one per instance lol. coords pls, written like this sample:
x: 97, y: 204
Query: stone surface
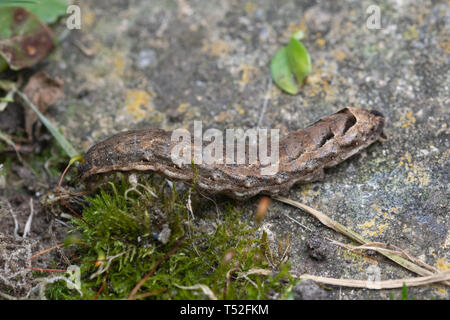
x: 309, y: 290
x: 164, y: 64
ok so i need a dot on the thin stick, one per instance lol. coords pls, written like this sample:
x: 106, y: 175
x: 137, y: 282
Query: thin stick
x: 101, y: 288
x: 41, y: 253
x: 336, y: 226
x: 16, y: 223
x: 152, y: 271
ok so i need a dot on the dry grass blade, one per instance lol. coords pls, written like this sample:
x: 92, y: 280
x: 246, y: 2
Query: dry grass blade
x: 336, y: 226
x: 374, y: 285
x: 387, y: 248
x: 206, y: 290
x: 7, y: 139
x: 227, y: 282
x: 378, y: 285
x: 27, y: 228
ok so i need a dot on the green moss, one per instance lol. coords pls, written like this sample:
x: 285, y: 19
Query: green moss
x: 128, y: 228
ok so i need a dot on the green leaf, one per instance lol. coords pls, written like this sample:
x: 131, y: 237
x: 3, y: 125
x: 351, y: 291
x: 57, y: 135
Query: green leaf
x: 290, y: 65
x: 47, y: 10
x: 281, y: 73
x: 299, y: 60
x: 24, y: 39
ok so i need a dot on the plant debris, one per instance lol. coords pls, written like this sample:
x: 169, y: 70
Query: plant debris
x: 24, y: 39
x: 43, y: 91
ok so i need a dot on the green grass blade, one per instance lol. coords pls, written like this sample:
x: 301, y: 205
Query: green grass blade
x: 68, y: 148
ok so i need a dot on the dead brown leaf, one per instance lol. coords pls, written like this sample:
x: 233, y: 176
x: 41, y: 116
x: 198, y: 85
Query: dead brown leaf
x: 43, y: 91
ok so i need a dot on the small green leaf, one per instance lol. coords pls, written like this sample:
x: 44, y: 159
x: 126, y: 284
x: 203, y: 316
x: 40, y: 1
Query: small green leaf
x: 281, y: 73
x: 299, y: 60
x: 290, y: 65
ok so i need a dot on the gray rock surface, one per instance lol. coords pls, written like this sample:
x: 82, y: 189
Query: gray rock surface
x: 167, y: 63
x: 309, y: 290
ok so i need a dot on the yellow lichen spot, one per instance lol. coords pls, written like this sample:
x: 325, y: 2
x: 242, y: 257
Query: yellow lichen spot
x: 440, y: 289
x: 239, y: 108
x: 183, y: 107
x: 411, y: 33
x: 340, y: 55
x: 119, y: 63
x: 406, y: 229
x: 306, y: 188
x: 88, y: 17
x: 248, y: 72
x: 314, y: 88
x: 370, y: 229
x: 408, y: 157
x: 320, y: 42
x: 250, y: 7
x: 368, y: 224
x: 358, y: 257
x: 309, y: 192
x: 137, y: 103
x: 408, y: 120
x: 442, y: 264
x: 416, y: 173
x: 222, y: 116
x: 445, y: 45
x: 215, y: 48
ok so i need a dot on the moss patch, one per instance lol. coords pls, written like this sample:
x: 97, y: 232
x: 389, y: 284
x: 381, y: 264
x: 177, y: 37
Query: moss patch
x: 128, y: 233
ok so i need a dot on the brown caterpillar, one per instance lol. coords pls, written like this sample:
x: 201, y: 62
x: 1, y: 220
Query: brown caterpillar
x: 303, y: 156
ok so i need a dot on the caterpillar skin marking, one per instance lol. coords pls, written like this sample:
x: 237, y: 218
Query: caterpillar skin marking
x: 303, y: 156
